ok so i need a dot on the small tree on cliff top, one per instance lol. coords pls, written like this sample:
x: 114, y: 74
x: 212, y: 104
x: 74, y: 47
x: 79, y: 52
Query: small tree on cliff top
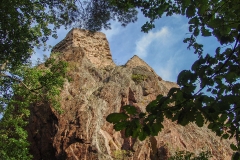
x: 219, y: 74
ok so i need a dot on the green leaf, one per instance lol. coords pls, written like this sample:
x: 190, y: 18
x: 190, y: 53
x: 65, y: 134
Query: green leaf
x: 183, y: 77
x: 130, y: 109
x: 116, y: 117
x: 236, y: 156
x: 156, y: 128
x: 186, y: 2
x: 225, y: 40
x: 120, y: 125
x: 136, y: 133
x: 190, y: 12
x: 128, y: 132
x: 159, y: 117
x: 159, y: 97
x: 202, y: 8
x: 142, y: 115
x: 199, y: 120
x: 206, y: 33
x: 151, y: 117
x: 151, y: 106
x: 147, y: 129
x: 135, y: 124
x: 233, y: 147
x: 195, y: 65
x: 214, y: 23
x: 218, y: 50
x: 225, y: 136
x: 182, y: 119
x: 223, y: 118
x: 193, y: 20
x: 168, y: 114
x: 196, y: 32
x: 142, y: 136
x: 172, y: 91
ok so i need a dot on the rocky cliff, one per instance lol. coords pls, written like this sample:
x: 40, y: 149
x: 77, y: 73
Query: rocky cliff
x: 97, y: 88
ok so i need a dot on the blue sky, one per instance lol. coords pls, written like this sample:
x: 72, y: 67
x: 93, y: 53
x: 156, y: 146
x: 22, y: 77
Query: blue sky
x: 162, y: 48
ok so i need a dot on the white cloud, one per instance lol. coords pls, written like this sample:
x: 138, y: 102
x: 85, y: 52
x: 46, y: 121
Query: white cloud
x: 167, y: 70
x: 143, y: 44
x: 164, y: 50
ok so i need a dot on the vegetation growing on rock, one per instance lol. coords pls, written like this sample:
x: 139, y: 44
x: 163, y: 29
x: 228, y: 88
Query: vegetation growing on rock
x: 216, y: 102
x: 33, y: 86
x: 138, y: 78
x: 25, y: 24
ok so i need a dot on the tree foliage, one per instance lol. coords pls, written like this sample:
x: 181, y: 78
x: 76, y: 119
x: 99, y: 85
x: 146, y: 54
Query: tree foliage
x: 210, y: 91
x: 32, y: 86
x: 96, y: 14
x: 181, y: 155
x: 27, y: 24
x: 24, y: 25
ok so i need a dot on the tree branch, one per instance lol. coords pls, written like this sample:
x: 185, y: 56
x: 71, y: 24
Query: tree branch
x: 21, y: 82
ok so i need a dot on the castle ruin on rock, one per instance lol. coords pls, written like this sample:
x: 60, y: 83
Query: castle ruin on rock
x: 97, y: 88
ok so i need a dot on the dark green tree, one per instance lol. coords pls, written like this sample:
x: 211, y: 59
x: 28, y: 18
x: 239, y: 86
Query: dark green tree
x: 33, y: 85
x: 217, y: 75
x: 25, y: 24
x: 98, y: 13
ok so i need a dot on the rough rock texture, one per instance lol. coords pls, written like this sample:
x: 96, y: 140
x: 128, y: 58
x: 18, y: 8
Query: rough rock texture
x: 94, y: 46
x: 97, y: 88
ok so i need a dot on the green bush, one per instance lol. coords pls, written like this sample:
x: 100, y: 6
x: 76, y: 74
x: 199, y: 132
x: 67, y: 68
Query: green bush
x: 122, y: 154
x: 185, y: 155
x: 138, y: 78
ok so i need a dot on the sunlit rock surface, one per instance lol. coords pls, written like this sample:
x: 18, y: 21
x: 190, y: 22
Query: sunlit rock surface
x: 97, y: 88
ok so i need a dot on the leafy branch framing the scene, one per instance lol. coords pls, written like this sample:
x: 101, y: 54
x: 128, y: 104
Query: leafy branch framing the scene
x: 217, y: 75
x: 28, y: 24
x: 39, y: 85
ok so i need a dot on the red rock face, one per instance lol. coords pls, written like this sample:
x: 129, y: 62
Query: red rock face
x: 98, y: 88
